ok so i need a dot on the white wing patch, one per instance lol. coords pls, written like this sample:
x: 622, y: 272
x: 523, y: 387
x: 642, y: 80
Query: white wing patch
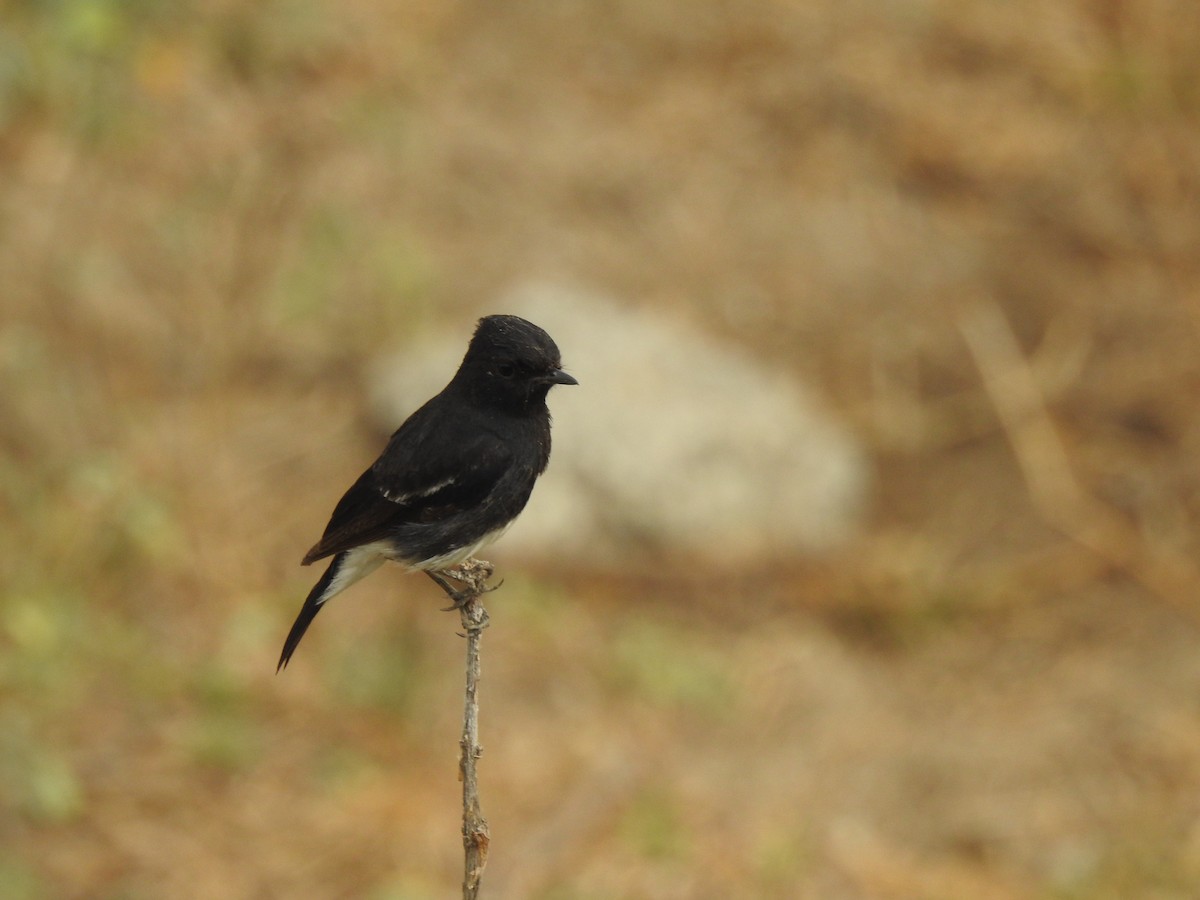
x: 404, y: 498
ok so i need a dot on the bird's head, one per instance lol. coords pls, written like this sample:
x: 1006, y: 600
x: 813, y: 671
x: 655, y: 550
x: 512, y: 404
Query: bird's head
x: 512, y: 364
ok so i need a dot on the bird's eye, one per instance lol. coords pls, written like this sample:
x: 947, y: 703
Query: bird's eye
x: 506, y: 370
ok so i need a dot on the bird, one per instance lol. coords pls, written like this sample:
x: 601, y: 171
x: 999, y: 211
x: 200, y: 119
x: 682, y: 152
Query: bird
x: 453, y: 477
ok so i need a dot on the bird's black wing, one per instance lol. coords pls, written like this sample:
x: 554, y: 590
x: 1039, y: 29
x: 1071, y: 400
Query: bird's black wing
x: 434, y: 466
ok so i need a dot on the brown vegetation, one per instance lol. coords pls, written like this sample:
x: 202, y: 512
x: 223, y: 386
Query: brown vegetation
x: 976, y: 225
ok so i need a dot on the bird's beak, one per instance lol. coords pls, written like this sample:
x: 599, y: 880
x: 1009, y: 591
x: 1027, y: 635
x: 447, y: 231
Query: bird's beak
x: 558, y: 376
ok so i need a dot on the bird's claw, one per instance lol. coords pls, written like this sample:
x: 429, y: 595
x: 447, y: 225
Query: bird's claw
x: 473, y: 574
x: 461, y: 598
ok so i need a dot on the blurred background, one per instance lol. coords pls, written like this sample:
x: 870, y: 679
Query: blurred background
x: 964, y: 236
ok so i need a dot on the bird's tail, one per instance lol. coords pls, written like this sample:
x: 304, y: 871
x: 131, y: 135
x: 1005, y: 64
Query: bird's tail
x: 344, y: 569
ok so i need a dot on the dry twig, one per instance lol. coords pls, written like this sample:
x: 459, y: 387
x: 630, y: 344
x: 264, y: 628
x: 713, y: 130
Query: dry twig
x: 472, y: 575
x: 1057, y: 494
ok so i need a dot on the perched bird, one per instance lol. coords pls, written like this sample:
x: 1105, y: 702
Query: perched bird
x: 454, y: 476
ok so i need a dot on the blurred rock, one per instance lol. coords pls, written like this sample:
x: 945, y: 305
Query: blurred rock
x: 673, y: 444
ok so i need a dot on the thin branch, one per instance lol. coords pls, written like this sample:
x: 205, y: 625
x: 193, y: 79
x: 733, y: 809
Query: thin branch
x: 1057, y: 493
x: 472, y: 575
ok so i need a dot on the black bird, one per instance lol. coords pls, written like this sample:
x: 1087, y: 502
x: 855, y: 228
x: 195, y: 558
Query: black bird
x: 454, y: 476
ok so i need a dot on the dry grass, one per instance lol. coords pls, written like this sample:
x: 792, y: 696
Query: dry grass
x: 974, y: 224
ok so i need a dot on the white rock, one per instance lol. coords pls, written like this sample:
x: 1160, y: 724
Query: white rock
x: 673, y: 444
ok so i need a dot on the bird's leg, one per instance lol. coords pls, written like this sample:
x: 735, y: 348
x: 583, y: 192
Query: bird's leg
x: 459, y: 597
x: 472, y: 574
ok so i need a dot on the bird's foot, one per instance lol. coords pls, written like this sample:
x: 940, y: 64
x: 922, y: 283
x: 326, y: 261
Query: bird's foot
x: 472, y: 574
x: 459, y: 599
